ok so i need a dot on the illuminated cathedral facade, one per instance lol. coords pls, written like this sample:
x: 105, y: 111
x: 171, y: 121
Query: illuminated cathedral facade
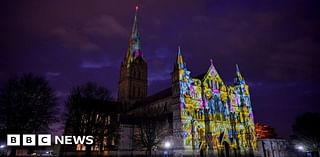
x: 208, y: 116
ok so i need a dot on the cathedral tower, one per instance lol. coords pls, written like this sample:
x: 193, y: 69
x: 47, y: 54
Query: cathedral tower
x: 133, y: 83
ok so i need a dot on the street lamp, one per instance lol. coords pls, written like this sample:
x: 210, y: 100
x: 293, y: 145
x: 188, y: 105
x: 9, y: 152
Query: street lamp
x: 167, y: 146
x: 300, y: 148
x: 2, y: 149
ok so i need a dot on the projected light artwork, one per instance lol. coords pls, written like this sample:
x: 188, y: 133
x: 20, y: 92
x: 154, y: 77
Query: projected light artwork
x: 215, y: 116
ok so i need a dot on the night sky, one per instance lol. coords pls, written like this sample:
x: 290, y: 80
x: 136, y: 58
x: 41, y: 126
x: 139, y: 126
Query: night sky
x: 276, y: 44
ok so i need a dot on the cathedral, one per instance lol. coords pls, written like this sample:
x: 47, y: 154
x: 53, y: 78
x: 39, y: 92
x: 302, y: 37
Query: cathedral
x: 207, y: 116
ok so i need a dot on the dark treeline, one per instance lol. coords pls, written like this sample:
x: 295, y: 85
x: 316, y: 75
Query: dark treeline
x: 28, y: 105
x: 92, y: 113
x: 306, y: 131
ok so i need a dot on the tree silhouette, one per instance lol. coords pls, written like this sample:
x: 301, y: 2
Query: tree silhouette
x: 91, y: 113
x: 151, y: 130
x: 307, y: 131
x: 27, y: 105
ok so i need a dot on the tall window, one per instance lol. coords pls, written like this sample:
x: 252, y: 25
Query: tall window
x: 134, y: 91
x: 138, y: 74
x: 134, y: 73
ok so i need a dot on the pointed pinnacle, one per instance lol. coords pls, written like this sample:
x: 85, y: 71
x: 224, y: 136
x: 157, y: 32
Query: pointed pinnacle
x: 237, y: 67
x: 179, y: 50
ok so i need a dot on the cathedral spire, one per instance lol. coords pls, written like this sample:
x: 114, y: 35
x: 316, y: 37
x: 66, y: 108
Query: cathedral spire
x: 133, y: 82
x: 135, y: 36
x: 238, y: 79
x: 180, y: 63
x: 135, y: 32
x: 134, y: 48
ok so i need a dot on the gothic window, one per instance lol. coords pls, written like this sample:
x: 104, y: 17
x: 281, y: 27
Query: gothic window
x: 218, y: 85
x: 108, y: 120
x: 165, y: 107
x: 134, y: 91
x: 141, y: 74
x: 210, y: 83
x: 138, y: 74
x: 133, y: 73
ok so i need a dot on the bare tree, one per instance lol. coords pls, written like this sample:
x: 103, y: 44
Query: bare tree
x: 151, y: 131
x: 27, y: 105
x: 91, y: 113
x: 307, y: 131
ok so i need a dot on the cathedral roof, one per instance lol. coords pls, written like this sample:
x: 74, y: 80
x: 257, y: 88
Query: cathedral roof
x: 159, y: 95
x: 152, y: 98
x: 200, y: 76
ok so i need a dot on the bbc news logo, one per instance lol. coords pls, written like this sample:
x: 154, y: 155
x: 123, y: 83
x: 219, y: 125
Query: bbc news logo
x: 46, y: 140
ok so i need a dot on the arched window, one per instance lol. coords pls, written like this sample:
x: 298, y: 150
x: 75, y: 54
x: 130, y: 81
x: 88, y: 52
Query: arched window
x: 134, y: 91
x: 138, y: 74
x: 133, y: 72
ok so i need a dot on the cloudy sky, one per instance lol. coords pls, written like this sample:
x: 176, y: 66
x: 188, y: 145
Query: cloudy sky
x: 275, y: 43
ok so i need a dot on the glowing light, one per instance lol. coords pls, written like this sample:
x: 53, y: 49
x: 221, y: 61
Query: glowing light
x: 300, y: 147
x: 2, y: 146
x: 167, y: 144
x: 137, y: 8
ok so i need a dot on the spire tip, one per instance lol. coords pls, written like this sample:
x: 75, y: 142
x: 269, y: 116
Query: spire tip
x: 180, y: 62
x: 237, y: 67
